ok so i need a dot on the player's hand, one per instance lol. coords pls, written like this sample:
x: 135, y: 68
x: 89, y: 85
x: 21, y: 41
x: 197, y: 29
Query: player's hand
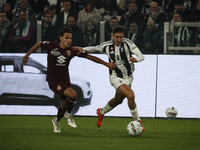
x: 25, y: 59
x: 111, y: 65
x: 79, y: 49
x: 132, y: 59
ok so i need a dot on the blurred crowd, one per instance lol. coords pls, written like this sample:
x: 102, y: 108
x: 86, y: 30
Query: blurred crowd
x: 143, y: 21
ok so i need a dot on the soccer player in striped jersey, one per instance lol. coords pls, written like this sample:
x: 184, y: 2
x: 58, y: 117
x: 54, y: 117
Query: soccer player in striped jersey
x: 119, y: 50
x: 59, y: 56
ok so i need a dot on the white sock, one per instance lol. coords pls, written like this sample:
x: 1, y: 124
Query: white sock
x: 106, y: 109
x: 134, y: 113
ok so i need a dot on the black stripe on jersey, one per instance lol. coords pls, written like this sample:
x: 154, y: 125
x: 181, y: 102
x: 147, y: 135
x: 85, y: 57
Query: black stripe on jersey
x: 125, y: 58
x: 112, y: 52
x: 112, y: 56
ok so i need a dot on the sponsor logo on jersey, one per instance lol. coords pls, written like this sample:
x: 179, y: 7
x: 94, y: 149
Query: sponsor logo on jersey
x: 68, y: 53
x: 55, y: 52
x: 61, y: 60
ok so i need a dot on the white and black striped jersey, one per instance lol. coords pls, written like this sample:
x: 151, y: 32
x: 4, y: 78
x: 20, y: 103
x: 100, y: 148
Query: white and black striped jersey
x: 120, y: 55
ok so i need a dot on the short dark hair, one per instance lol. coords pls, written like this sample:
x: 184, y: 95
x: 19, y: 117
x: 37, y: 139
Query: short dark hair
x: 118, y: 29
x: 114, y: 17
x: 65, y: 30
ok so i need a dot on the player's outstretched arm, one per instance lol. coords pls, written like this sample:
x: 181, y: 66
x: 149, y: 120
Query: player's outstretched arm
x: 110, y: 65
x: 32, y: 49
x: 79, y: 49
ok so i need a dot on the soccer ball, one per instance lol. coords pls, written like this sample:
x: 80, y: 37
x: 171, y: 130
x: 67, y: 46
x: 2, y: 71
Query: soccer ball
x: 134, y: 128
x: 171, y: 113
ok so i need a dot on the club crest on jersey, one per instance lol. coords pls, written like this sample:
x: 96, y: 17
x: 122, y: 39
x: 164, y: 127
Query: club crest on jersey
x: 111, y: 50
x: 59, y: 88
x: 68, y: 53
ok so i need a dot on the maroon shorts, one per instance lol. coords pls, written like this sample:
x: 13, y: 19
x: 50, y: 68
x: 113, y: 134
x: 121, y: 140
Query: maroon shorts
x: 59, y: 87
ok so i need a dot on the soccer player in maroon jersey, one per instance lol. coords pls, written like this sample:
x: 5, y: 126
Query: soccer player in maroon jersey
x: 59, y: 55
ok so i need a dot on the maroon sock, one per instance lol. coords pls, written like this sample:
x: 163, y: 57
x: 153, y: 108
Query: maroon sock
x: 69, y: 105
x: 61, y: 112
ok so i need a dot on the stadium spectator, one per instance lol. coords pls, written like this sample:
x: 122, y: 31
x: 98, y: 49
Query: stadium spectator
x: 74, y: 6
x: 123, y: 5
x: 133, y: 14
x: 153, y: 38
x: 41, y: 14
x: 135, y: 35
x: 12, y: 3
x: 91, y: 36
x: 157, y: 14
x: 77, y: 33
x: 52, y: 10
x: 166, y: 5
x: 8, y: 10
x: 88, y: 13
x: 109, y: 27
x: 179, y: 8
x: 195, y: 14
x: 195, y: 39
x: 181, y: 34
x: 40, y: 5
x: 5, y: 26
x: 58, y: 73
x: 107, y: 5
x: 49, y: 32
x: 64, y: 13
x: 23, y: 5
x: 22, y: 35
x: 146, y: 7
x: 119, y: 51
x: 106, y: 16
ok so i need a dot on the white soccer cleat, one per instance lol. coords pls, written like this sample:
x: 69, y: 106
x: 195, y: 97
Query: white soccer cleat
x: 70, y: 120
x: 56, y: 126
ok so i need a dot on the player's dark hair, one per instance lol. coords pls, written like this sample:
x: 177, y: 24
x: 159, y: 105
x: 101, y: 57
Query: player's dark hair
x: 118, y: 29
x: 65, y: 30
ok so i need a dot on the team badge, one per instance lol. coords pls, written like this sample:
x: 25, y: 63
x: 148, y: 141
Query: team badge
x: 68, y: 53
x: 59, y: 88
x: 111, y: 48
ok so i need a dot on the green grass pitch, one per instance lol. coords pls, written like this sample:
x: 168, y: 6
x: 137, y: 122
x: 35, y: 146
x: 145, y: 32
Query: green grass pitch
x: 36, y: 133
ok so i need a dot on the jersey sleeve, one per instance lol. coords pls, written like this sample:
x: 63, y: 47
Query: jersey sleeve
x: 83, y: 54
x: 44, y: 44
x: 135, y: 50
x: 92, y: 49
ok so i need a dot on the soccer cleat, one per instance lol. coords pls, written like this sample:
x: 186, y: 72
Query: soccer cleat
x: 56, y: 126
x: 70, y: 120
x: 100, y: 117
x: 143, y: 129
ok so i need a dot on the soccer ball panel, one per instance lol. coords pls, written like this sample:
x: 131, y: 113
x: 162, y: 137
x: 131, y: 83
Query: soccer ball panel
x: 134, y: 128
x: 171, y: 112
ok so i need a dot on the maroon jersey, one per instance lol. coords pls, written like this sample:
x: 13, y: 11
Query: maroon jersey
x: 58, y: 60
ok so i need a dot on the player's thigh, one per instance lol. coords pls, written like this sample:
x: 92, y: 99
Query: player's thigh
x: 119, y: 97
x: 127, y: 91
x: 69, y: 92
